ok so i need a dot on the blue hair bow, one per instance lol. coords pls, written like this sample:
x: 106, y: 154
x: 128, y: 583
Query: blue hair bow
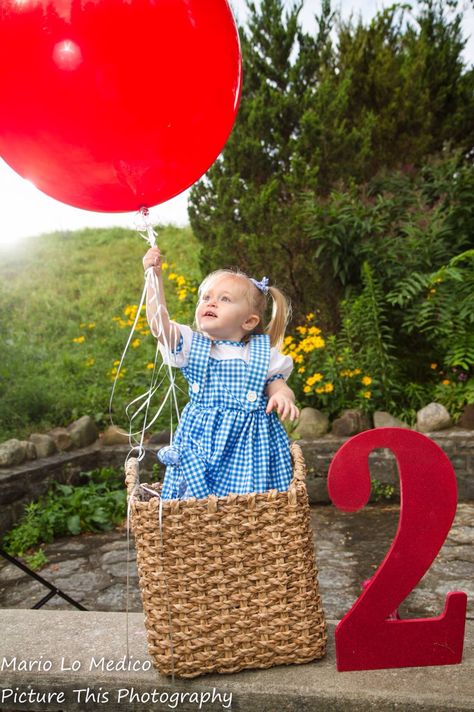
x: 262, y: 285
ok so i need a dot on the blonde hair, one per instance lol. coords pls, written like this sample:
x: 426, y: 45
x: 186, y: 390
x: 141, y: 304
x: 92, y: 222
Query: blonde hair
x: 258, y: 303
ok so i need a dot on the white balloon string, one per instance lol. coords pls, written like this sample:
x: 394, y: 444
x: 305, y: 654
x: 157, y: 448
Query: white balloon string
x: 143, y: 402
x: 141, y: 405
x: 144, y: 223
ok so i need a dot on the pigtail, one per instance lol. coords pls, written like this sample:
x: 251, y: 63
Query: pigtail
x: 281, y: 314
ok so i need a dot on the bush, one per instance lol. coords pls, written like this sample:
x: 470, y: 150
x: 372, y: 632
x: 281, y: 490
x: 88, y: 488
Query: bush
x: 65, y: 510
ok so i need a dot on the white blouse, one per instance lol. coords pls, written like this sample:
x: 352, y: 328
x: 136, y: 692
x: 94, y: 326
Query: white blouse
x: 221, y: 349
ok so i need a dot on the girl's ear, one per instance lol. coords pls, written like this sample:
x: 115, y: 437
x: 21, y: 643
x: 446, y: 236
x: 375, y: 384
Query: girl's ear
x: 250, y: 323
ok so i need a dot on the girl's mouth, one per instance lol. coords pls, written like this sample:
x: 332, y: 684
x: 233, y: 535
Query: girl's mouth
x: 208, y: 313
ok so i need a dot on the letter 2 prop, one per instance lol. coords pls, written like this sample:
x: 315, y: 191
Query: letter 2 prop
x: 365, y: 639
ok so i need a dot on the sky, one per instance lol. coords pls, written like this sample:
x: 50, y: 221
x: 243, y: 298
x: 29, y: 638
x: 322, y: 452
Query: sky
x: 25, y: 211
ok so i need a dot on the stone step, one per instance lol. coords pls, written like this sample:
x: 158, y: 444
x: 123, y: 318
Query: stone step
x: 84, y: 638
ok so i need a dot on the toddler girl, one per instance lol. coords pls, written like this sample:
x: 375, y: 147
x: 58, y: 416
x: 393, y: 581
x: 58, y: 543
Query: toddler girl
x: 229, y: 438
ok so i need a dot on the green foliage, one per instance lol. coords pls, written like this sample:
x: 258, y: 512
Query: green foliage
x: 320, y: 117
x: 328, y: 374
x: 366, y: 332
x: 381, y: 491
x: 455, y: 394
x: 37, y: 560
x: 244, y: 211
x: 65, y: 510
x: 63, y: 298
x: 402, y: 222
x: 440, y: 305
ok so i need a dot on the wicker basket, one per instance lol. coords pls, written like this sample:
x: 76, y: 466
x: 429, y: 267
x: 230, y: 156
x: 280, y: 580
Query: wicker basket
x: 229, y: 582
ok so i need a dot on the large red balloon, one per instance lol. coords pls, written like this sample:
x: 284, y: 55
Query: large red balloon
x: 112, y: 105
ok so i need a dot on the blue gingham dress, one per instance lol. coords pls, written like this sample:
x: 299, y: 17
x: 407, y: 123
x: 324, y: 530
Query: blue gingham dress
x: 226, y: 441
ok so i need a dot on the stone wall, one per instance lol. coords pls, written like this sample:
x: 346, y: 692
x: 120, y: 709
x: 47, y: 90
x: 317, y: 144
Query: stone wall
x: 457, y: 444
x: 26, y: 482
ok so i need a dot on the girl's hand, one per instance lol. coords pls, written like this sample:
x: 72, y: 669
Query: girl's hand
x: 284, y: 406
x: 153, y: 259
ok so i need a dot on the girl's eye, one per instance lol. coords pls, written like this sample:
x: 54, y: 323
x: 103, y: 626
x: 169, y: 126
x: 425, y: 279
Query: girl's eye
x: 205, y: 297
x: 225, y: 299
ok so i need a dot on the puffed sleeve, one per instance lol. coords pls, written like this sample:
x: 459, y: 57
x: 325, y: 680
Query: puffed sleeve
x: 280, y: 365
x: 179, y: 356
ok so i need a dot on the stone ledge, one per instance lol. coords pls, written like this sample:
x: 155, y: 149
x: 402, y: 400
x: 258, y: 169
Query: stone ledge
x: 50, y: 635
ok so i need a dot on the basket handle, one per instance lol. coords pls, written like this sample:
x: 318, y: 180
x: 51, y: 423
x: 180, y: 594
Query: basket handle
x: 299, y: 465
x: 132, y: 477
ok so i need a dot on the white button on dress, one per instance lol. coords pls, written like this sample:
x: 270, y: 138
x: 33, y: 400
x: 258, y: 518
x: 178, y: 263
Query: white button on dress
x: 195, y: 388
x: 251, y: 396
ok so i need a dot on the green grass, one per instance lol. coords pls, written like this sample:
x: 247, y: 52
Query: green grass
x: 49, y: 287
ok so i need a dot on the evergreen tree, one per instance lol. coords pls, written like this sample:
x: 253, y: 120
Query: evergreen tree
x: 245, y: 210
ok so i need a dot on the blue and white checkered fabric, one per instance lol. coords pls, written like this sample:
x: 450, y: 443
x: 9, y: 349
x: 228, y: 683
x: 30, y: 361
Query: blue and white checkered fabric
x: 227, y: 443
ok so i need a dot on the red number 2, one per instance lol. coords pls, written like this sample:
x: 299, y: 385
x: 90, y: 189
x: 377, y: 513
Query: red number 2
x: 365, y: 639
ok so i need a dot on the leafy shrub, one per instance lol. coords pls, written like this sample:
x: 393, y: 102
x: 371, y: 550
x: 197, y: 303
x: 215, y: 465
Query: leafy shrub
x: 96, y: 506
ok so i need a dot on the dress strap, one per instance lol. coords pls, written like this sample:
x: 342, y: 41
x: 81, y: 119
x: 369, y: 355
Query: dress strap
x: 196, y: 370
x: 257, y: 371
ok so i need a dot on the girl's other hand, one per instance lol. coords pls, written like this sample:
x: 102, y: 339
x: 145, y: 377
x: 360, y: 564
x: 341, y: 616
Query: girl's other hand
x: 153, y: 259
x: 283, y: 405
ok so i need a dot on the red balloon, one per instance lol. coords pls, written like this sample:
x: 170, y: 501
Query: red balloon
x: 112, y: 105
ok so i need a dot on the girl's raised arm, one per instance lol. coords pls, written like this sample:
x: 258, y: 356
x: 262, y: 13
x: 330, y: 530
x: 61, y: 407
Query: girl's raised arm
x: 156, y: 301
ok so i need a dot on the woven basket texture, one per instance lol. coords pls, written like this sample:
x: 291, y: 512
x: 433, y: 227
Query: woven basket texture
x: 230, y: 582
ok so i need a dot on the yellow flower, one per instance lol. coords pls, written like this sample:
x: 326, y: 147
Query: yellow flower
x: 301, y: 330
x: 79, y: 339
x: 307, y: 389
x: 345, y: 373
x: 367, y: 394
x: 82, y: 326
x: 135, y: 343
x: 116, y: 363
x: 287, y: 340
x: 328, y: 388
x: 90, y: 362
x: 164, y: 265
x: 180, y: 281
x: 314, y: 379
x: 172, y: 276
x: 445, y: 382
x: 433, y: 366
x: 314, y: 330
x: 181, y: 294
x: 91, y: 325
x: 150, y: 365
x: 301, y: 369
x: 356, y: 372
x: 367, y: 380
x: 114, y: 374
x: 317, y: 342
x: 310, y: 316
x: 320, y: 389
x: 298, y: 358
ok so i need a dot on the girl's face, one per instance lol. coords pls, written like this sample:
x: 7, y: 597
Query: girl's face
x: 223, y: 310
